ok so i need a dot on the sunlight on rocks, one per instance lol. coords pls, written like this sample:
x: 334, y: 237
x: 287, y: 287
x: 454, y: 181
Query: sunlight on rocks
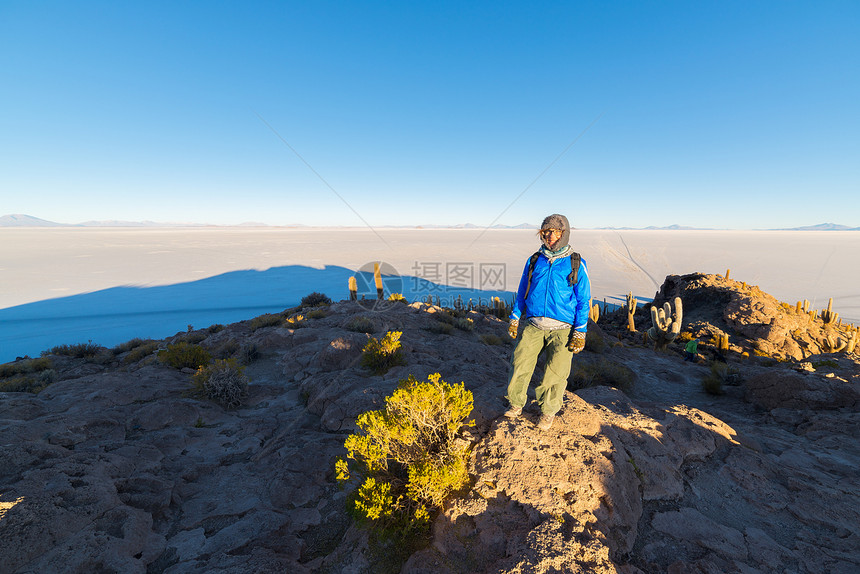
x: 6, y: 506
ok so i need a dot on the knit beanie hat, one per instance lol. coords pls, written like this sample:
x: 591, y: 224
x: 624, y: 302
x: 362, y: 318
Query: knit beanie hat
x: 557, y: 221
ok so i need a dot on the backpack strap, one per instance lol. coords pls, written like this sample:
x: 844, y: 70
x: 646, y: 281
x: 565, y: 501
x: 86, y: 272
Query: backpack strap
x: 532, y: 262
x: 575, y: 261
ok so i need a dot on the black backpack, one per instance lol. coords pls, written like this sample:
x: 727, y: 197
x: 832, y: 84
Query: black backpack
x: 575, y: 260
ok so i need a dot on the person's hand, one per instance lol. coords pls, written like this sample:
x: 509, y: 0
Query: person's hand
x: 512, y: 328
x: 576, y: 341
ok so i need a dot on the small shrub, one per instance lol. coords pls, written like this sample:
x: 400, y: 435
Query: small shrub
x: 30, y: 376
x: 47, y: 377
x: 128, y: 346
x: 267, y: 320
x: 360, y: 324
x: 315, y: 300
x: 24, y: 367
x: 19, y: 384
x: 490, y: 339
x: 398, y: 297
x: 441, y: 328
x: 379, y: 356
x: 444, y: 317
x: 212, y: 329
x: 720, y: 375
x: 465, y: 324
x: 406, y: 459
x: 183, y: 354
x: 316, y: 314
x: 141, y: 352
x: 223, y: 381
x: 249, y: 353
x: 79, y: 351
x: 602, y: 372
x: 195, y: 337
x: 825, y: 363
x: 685, y: 336
x: 295, y: 322
x: 594, y: 342
x: 226, y: 349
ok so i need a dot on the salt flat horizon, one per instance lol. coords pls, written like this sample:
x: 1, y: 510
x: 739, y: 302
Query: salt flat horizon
x: 69, y: 285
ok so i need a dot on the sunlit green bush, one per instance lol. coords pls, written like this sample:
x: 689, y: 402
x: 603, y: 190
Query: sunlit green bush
x: 405, y: 460
x: 381, y: 355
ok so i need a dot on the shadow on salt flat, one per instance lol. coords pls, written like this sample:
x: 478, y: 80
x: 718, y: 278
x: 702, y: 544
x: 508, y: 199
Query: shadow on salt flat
x: 115, y: 315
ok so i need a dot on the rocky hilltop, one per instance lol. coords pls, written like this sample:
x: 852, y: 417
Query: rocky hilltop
x: 116, y: 466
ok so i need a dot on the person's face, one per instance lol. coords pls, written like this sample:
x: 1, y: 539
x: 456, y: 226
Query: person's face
x: 551, y: 237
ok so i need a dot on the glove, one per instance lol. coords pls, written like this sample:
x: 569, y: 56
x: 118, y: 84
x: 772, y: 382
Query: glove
x: 576, y: 341
x: 512, y: 328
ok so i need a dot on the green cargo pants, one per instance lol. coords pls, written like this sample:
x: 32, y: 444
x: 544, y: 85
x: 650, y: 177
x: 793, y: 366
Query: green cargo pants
x: 550, y: 391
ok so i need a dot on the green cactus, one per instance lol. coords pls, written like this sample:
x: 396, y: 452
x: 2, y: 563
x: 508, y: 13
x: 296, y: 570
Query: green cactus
x: 828, y: 316
x: 631, y: 311
x: 666, y: 324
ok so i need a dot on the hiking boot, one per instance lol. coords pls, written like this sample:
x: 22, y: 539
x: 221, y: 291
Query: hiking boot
x: 514, y: 412
x: 545, y: 422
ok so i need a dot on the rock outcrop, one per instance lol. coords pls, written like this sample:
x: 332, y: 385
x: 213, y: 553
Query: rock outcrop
x: 118, y: 467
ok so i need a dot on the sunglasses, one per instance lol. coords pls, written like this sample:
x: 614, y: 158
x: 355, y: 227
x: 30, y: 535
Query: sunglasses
x: 548, y: 232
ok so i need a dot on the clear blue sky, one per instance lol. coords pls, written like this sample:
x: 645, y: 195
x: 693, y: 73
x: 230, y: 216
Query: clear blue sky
x: 710, y: 114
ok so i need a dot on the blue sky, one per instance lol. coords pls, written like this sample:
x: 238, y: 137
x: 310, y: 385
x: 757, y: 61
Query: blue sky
x: 710, y: 114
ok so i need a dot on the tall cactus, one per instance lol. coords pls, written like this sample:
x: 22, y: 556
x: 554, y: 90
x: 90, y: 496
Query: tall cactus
x: 834, y: 344
x: 594, y: 312
x: 828, y: 316
x: 666, y: 324
x: 631, y: 311
x: 377, y: 277
x: 852, y: 343
x: 723, y: 343
x: 353, y: 289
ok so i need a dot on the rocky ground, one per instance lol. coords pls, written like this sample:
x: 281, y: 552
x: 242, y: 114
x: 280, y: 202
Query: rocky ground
x: 118, y: 467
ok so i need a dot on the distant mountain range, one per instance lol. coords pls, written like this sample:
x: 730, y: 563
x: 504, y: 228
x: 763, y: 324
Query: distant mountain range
x: 21, y: 220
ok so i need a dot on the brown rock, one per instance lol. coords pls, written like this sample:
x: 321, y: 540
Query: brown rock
x: 788, y: 389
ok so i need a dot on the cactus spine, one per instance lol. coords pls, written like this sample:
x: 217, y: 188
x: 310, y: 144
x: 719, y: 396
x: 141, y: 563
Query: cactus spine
x: 666, y: 324
x: 828, y: 316
x: 631, y: 311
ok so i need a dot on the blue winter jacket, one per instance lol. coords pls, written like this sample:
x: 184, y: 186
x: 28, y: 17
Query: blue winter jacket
x: 551, y: 296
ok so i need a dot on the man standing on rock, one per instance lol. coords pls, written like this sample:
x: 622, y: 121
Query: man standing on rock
x: 554, y: 294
